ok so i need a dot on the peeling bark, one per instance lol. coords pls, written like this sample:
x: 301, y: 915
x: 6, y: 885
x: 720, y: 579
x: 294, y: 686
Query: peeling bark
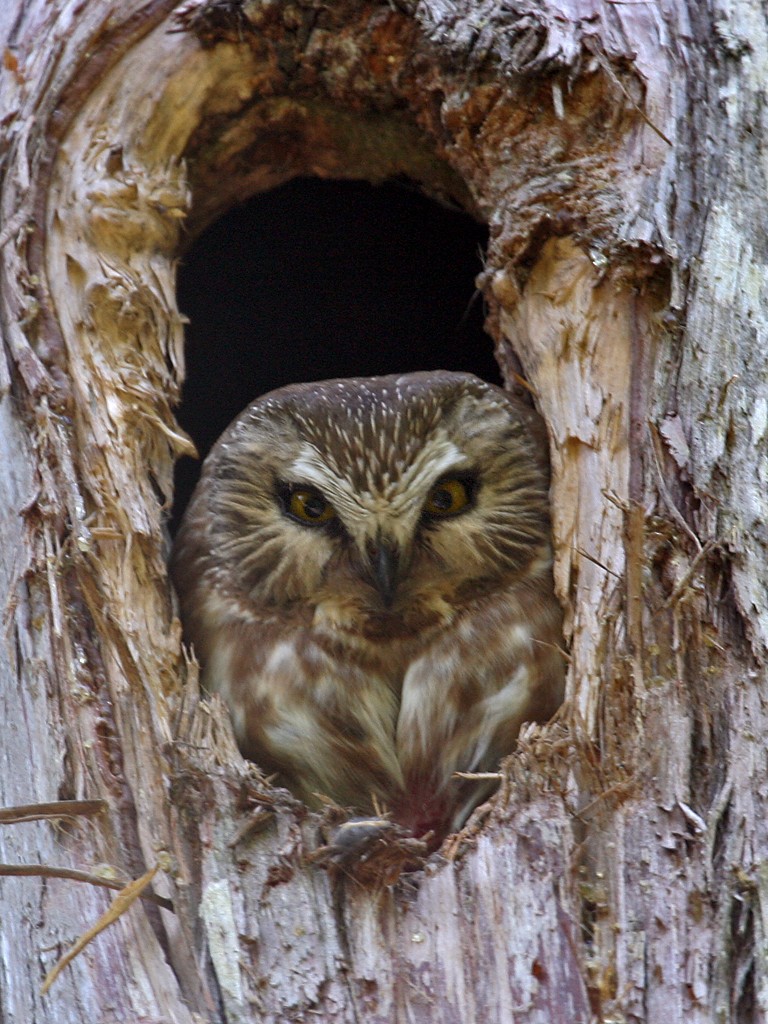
x: 617, y: 152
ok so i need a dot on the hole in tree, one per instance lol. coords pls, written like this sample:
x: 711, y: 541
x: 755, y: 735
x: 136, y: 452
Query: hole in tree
x: 319, y: 279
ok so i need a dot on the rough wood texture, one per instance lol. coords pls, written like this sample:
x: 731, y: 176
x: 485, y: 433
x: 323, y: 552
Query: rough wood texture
x: 617, y: 151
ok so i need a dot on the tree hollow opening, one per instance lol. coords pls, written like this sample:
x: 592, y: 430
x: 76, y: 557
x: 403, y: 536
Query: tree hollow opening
x: 325, y: 278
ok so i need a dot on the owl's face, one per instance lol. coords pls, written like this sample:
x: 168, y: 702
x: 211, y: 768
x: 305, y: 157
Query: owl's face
x: 378, y: 503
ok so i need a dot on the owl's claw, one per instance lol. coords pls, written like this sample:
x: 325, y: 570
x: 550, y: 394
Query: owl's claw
x: 371, y: 850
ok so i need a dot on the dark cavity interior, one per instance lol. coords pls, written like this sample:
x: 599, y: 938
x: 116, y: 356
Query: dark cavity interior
x: 319, y: 279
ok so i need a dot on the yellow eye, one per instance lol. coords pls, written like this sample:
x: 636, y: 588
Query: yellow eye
x: 310, y: 507
x: 447, y: 498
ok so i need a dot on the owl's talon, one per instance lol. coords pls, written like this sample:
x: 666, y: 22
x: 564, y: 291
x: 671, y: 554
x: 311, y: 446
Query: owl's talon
x: 371, y: 850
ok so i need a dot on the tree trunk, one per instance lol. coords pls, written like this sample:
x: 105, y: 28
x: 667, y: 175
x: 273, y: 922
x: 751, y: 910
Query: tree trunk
x: 618, y: 154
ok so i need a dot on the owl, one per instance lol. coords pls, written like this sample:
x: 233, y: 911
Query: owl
x: 365, y: 574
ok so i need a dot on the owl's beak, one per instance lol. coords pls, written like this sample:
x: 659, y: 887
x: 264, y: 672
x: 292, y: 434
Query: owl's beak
x: 384, y: 568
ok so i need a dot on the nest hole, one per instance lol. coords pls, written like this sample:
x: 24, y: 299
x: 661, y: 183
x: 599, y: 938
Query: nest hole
x: 319, y: 279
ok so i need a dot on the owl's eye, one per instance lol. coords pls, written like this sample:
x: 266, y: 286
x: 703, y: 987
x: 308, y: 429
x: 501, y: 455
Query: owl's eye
x: 308, y: 506
x: 448, y: 497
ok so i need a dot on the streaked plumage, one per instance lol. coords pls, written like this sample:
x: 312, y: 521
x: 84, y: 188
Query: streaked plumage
x: 365, y: 574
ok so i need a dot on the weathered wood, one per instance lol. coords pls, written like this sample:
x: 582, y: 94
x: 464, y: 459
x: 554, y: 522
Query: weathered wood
x: 617, y: 151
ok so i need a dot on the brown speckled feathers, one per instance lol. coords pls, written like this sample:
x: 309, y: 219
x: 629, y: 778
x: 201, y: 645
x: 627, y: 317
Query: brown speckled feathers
x: 365, y: 574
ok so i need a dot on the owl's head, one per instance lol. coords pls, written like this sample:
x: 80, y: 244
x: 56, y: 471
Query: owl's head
x: 379, y: 497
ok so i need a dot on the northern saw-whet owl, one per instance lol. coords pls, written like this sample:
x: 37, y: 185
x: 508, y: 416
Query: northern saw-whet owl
x: 365, y: 573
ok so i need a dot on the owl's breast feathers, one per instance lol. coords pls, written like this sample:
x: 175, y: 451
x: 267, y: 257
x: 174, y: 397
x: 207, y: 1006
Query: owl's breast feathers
x: 379, y: 713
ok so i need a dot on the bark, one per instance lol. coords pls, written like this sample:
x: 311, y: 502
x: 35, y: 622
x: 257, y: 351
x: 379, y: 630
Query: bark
x: 617, y: 152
